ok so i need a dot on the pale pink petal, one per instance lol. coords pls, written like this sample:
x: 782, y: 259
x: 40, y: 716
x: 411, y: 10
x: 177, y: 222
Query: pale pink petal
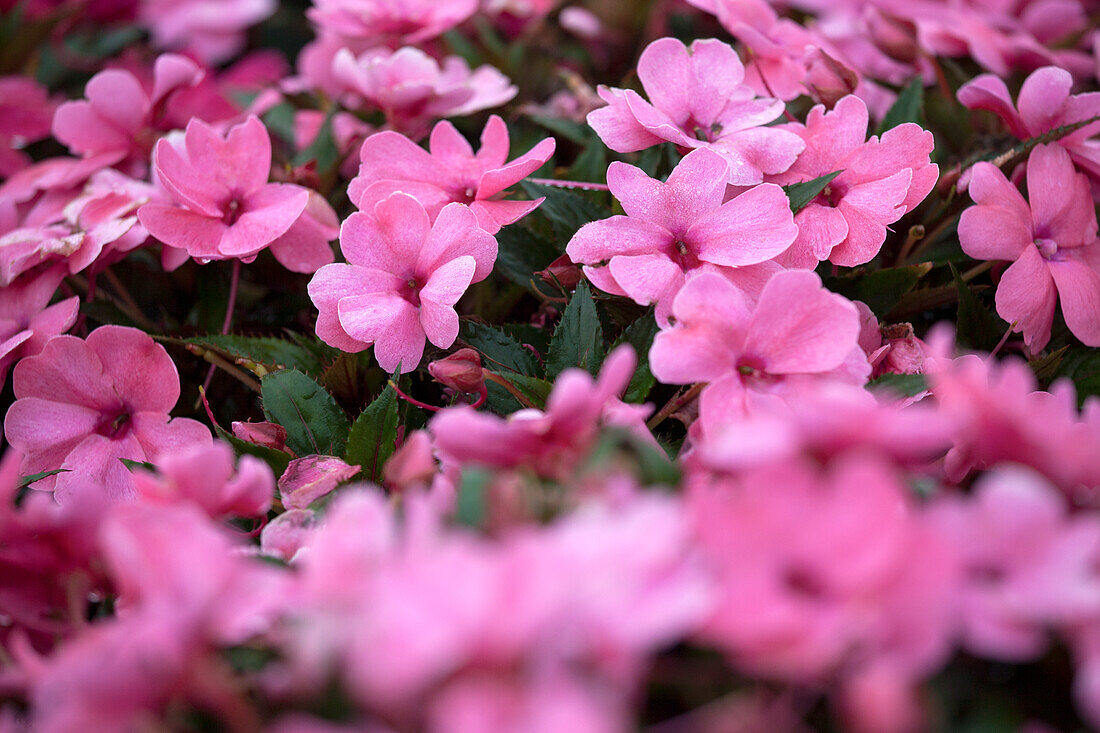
x: 617, y: 126
x: 988, y: 185
x: 241, y: 160
x: 494, y: 143
x: 95, y: 462
x: 1051, y: 189
x: 493, y: 215
x: 456, y: 233
x: 171, y: 72
x: 645, y: 278
x: 392, y: 155
x: 117, y: 97
x: 1026, y: 296
x: 449, y: 281
x: 695, y: 187
x: 45, y: 431
x: 717, y: 74
x: 758, y: 151
x: 752, y: 228
x: 601, y: 240
x: 667, y: 75
x: 994, y: 233
x: 379, y: 316
x: 447, y: 142
x: 495, y: 181
x: 266, y: 214
x: 820, y: 229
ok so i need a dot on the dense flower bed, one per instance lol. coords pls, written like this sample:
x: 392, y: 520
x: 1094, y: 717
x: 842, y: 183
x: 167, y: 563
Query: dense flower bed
x: 459, y: 366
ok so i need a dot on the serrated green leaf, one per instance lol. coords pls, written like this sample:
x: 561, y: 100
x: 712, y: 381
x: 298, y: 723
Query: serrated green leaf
x: 31, y: 478
x: 906, y: 108
x: 314, y: 423
x: 534, y: 389
x: 131, y: 465
x: 640, y: 334
x: 1082, y: 366
x: 801, y: 194
x: 977, y: 326
x: 905, y: 385
x: 578, y: 339
x: 498, y: 350
x: 272, y: 353
x: 567, y: 211
x: 572, y: 131
x: 1046, y: 368
x: 880, y: 290
x: 373, y: 435
x: 521, y: 253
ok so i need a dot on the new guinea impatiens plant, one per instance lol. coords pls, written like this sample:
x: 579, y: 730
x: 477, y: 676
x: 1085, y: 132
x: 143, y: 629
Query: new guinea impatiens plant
x: 532, y: 365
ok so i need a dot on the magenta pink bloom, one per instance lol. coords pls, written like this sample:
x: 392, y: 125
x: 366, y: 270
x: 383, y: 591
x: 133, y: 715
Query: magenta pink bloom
x: 1051, y: 243
x: 367, y: 23
x: 1029, y: 565
x: 211, y: 30
x: 205, y: 476
x: 450, y: 172
x: 412, y: 89
x: 83, y: 405
x: 880, y: 181
x: 224, y: 208
x: 796, y: 334
x: 308, y: 479
x: 675, y: 228
x: 28, y: 321
x: 402, y: 279
x: 548, y: 441
x: 121, y: 117
x: 698, y: 99
x: 25, y: 116
x: 1044, y: 104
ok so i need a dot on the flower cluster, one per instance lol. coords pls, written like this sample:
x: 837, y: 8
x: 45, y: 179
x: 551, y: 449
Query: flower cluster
x: 739, y: 382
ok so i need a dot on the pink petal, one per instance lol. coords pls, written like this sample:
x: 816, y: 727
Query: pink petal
x: 617, y: 126
x: 752, y: 228
x: 449, y: 281
x: 82, y: 130
x: 117, y: 97
x: 376, y: 316
x: 645, y: 278
x: 390, y: 241
x: 758, y: 151
x: 160, y: 435
x: 189, y: 185
x: 199, y: 235
x: 266, y: 214
x: 494, y: 143
x: 171, y: 72
x: 392, y: 155
x: 1026, y: 296
x: 994, y: 233
x: 988, y: 92
x: 799, y: 327
x: 68, y: 371
x: 447, y: 142
x: 665, y: 70
x: 95, y: 463
x: 241, y: 162
x: 1051, y: 191
x: 493, y: 215
x: 1078, y: 286
x: 439, y: 322
x: 495, y: 181
x: 717, y: 74
x: 642, y: 197
x: 820, y: 229
x: 599, y: 241
x: 45, y: 431
x: 456, y: 233
x: 696, y: 187
x: 142, y: 373
x: 1043, y: 98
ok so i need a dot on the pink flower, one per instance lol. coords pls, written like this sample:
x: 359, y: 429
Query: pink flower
x: 120, y: 117
x: 796, y: 334
x: 28, y: 321
x: 1051, y: 244
x: 675, y: 228
x: 83, y: 405
x: 403, y: 278
x: 211, y: 30
x: 450, y: 172
x: 205, y: 476
x: 368, y: 23
x: 411, y: 88
x: 1045, y: 104
x: 308, y: 479
x: 225, y: 208
x: 880, y: 181
x: 697, y: 99
x: 1029, y: 565
x: 548, y: 441
x: 25, y: 115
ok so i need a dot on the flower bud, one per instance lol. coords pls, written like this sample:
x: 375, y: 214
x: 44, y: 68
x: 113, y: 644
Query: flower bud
x: 561, y: 271
x: 460, y: 371
x: 266, y: 434
x: 827, y: 79
x: 411, y: 465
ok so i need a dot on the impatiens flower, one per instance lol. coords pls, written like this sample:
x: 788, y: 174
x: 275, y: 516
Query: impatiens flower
x: 550, y: 441
x: 880, y: 181
x: 1029, y: 565
x: 675, y: 228
x: 27, y: 320
x: 450, y: 172
x: 205, y: 476
x: 81, y: 406
x: 402, y: 279
x: 795, y: 334
x: 411, y: 88
x: 224, y: 208
x: 1049, y: 239
x: 120, y: 117
x: 367, y: 23
x: 1044, y: 104
x: 698, y: 99
x: 308, y: 479
x: 211, y: 30
x: 25, y: 115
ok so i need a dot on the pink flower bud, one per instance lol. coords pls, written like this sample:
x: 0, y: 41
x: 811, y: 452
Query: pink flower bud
x: 894, y: 36
x: 267, y: 434
x: 461, y: 371
x: 827, y: 79
x: 561, y: 271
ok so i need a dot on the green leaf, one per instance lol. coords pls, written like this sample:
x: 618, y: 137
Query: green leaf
x: 314, y: 423
x: 272, y: 353
x: 499, y: 351
x: 372, y: 437
x: 977, y: 326
x: 521, y: 253
x: 881, y: 290
x: 323, y: 148
x: 907, y: 108
x: 534, y: 389
x: 1046, y: 368
x: 1082, y: 366
x: 640, y: 335
x: 578, y: 339
x: 131, y: 465
x: 803, y: 193
x: 904, y: 385
x: 567, y: 211
x: 571, y: 131
x: 30, y: 479
x: 471, y: 501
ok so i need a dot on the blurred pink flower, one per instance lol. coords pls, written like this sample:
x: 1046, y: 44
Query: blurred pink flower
x: 364, y: 24
x: 796, y: 334
x: 880, y: 181
x: 81, y: 405
x: 224, y: 208
x: 25, y: 116
x: 698, y: 99
x: 312, y: 477
x: 1050, y: 241
x: 402, y: 280
x: 205, y: 475
x: 211, y: 30
x: 450, y: 172
x: 675, y: 228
